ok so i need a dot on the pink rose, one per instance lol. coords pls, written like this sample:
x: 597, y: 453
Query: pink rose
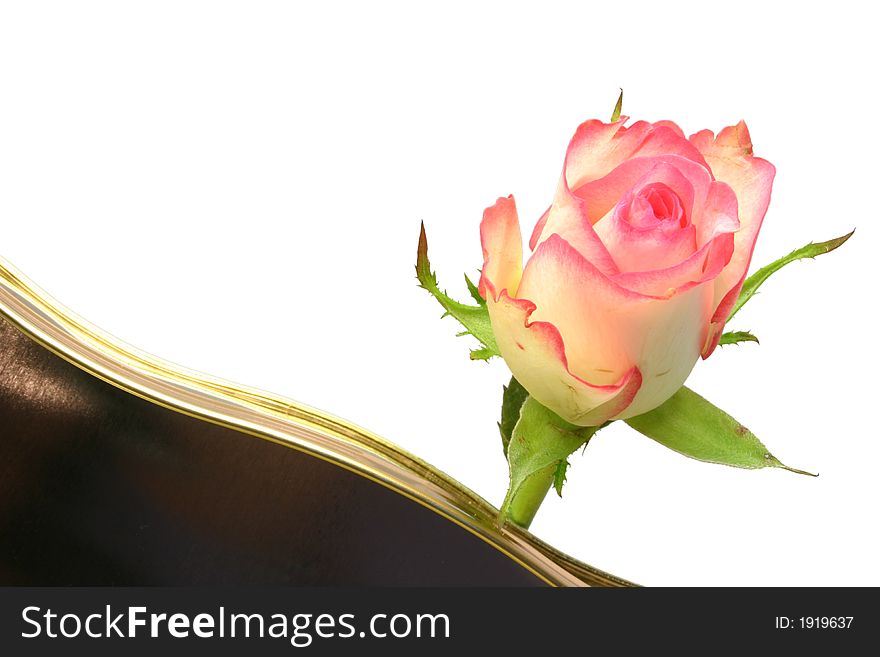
x: 634, y: 267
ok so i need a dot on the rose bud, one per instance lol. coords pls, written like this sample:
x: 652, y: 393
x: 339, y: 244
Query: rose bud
x: 634, y: 267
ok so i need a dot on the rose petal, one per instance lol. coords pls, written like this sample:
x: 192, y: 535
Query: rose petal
x: 502, y: 249
x: 715, y: 234
x: 608, y: 329
x: 598, y: 148
x: 568, y: 217
x: 635, y: 248
x: 704, y: 265
x: 751, y: 178
x: 719, y: 214
x: 539, y: 229
x: 719, y: 318
x: 672, y: 125
x: 535, y: 354
x: 689, y: 180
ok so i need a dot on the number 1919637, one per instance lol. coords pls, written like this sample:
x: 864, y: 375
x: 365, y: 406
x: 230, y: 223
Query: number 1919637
x: 814, y: 622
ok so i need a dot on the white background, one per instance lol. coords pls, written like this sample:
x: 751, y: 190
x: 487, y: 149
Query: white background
x: 237, y: 187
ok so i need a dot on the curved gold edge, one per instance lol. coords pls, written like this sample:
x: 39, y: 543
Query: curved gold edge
x: 281, y: 421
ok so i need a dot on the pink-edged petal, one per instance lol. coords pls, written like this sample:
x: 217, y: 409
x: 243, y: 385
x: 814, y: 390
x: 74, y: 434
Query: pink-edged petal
x: 689, y: 180
x: 606, y: 328
x: 598, y: 148
x: 715, y: 234
x: 719, y: 214
x: 535, y: 354
x: 636, y: 247
x: 502, y: 249
x: 572, y: 214
x: 672, y: 125
x: 577, y: 297
x: 702, y: 266
x: 730, y: 157
x: 719, y: 318
x: 568, y: 217
x: 638, y: 250
x: 539, y: 229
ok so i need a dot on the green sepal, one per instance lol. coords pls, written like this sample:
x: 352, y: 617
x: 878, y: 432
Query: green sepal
x: 757, y: 279
x: 541, y: 441
x: 511, y: 402
x: 735, y: 337
x: 692, y: 426
x: 618, y: 108
x: 475, y: 319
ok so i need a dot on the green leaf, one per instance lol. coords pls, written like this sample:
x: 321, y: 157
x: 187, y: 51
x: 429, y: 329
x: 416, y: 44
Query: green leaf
x: 692, y: 426
x: 618, y: 108
x: 757, y: 279
x: 475, y: 319
x: 735, y: 337
x: 559, y: 477
x: 511, y: 402
x: 475, y: 291
x: 541, y: 440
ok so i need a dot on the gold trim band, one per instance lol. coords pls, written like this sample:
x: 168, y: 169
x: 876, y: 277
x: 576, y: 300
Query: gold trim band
x: 281, y: 421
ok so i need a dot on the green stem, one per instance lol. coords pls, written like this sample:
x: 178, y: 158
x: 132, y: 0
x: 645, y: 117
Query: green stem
x: 522, y: 506
x: 539, y: 444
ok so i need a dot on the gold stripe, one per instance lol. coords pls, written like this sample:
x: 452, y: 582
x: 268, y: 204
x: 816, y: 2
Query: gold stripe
x: 281, y: 421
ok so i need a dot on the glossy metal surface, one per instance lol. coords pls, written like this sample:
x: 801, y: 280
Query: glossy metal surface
x: 121, y: 468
